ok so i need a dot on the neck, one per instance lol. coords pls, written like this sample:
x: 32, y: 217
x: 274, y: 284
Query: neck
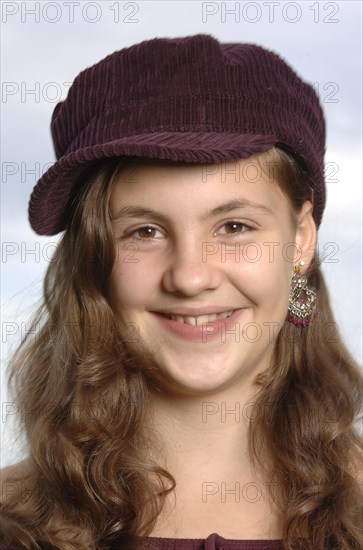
x: 202, y: 426
x: 204, y: 446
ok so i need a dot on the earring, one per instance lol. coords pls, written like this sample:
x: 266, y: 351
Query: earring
x: 302, y: 300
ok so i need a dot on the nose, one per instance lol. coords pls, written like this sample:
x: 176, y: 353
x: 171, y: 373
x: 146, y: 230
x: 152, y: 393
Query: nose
x: 190, y: 271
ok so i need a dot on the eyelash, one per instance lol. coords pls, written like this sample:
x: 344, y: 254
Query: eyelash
x: 247, y: 228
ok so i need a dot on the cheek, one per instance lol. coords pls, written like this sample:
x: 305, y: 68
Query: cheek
x: 132, y: 281
x: 263, y: 277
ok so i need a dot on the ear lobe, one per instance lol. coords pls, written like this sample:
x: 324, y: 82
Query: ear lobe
x: 306, y: 235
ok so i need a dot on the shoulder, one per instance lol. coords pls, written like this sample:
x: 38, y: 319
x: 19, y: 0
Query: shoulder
x: 15, y: 471
x: 10, y: 475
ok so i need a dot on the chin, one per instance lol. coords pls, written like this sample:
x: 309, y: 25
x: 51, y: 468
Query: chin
x: 200, y: 376
x: 191, y: 387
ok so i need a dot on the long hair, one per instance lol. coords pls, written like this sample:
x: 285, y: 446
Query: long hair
x: 90, y: 481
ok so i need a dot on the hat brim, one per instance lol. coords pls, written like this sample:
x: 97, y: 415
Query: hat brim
x: 49, y: 201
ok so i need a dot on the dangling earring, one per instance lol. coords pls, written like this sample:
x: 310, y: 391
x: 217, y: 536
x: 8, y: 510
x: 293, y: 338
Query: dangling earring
x: 302, y: 300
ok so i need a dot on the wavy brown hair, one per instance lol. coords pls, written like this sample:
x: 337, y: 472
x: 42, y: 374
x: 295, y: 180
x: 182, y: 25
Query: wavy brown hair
x: 90, y: 481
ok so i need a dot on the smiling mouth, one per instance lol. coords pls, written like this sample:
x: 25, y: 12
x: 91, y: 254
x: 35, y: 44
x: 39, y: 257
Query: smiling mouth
x: 200, y: 320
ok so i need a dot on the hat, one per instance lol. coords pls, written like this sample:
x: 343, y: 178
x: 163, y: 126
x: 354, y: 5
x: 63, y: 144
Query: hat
x: 190, y: 99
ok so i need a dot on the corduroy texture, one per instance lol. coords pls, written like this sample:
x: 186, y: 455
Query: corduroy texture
x: 189, y: 99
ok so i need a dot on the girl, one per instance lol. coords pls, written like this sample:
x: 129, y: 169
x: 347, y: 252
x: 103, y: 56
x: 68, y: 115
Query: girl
x: 188, y: 387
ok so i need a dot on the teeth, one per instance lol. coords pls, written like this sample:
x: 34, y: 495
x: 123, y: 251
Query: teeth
x: 201, y: 319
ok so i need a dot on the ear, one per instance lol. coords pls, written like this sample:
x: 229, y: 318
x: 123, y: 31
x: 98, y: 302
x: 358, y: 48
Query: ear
x: 306, y: 234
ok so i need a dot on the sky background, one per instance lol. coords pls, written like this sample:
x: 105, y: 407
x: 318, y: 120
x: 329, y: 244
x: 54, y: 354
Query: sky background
x: 45, y: 45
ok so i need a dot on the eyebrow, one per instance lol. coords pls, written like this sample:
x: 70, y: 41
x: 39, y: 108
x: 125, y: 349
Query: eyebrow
x: 136, y: 211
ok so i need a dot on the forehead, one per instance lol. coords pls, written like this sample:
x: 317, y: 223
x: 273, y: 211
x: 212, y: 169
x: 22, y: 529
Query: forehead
x: 192, y: 184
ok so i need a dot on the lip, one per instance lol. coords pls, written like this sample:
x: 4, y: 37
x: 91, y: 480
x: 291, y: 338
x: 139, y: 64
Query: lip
x: 199, y: 333
x: 195, y: 312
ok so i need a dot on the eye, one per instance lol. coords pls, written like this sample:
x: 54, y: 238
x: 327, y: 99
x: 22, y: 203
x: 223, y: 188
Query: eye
x: 146, y: 231
x: 239, y: 226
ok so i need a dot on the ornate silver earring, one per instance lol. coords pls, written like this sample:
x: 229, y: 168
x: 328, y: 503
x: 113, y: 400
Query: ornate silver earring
x: 302, y: 299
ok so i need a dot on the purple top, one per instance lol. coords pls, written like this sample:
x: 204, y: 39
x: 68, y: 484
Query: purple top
x: 213, y: 542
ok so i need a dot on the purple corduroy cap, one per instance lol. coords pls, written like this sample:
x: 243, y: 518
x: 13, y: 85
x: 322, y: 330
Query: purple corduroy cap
x: 190, y: 99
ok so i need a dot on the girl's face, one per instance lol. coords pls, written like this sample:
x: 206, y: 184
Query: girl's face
x: 181, y: 243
